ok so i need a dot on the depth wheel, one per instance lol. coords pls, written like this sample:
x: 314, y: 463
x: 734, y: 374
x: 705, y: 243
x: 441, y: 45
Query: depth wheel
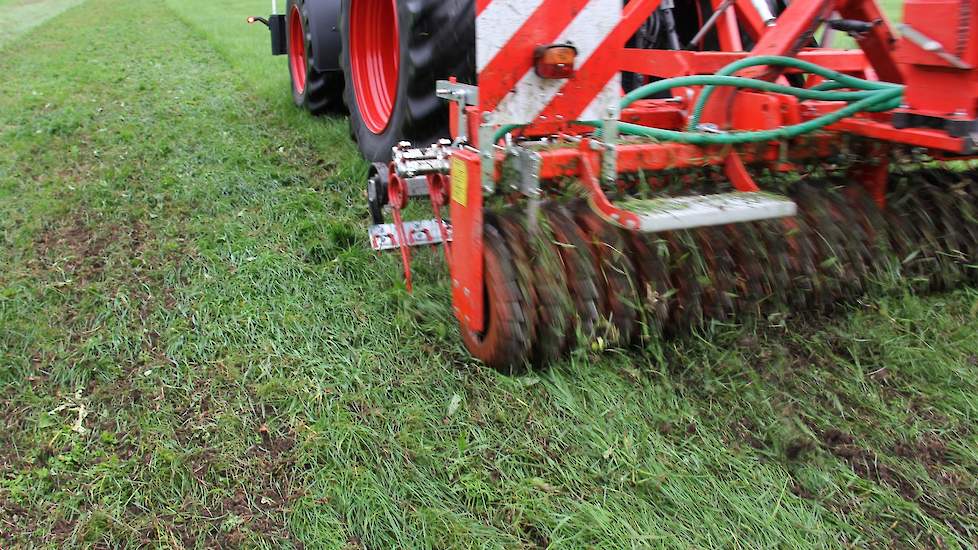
x: 505, y: 342
x: 318, y: 92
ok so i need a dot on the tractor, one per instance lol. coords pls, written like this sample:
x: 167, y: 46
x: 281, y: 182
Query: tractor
x: 609, y: 173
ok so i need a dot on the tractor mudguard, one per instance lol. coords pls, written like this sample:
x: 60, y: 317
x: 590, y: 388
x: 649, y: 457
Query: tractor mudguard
x: 324, y: 16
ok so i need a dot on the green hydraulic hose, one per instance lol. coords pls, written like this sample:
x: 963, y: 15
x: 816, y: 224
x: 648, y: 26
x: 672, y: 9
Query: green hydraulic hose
x: 741, y: 82
x: 790, y: 62
x: 736, y: 138
x: 868, y: 96
x: 503, y: 130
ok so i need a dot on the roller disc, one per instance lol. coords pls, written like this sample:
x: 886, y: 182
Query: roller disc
x: 857, y: 243
x: 616, y: 274
x: 965, y: 193
x: 830, y: 254
x: 925, y: 235
x: 868, y: 214
x: 578, y: 263
x: 505, y: 343
x: 808, y: 289
x: 911, y: 260
x: 522, y: 271
x: 575, y: 275
x: 762, y: 276
x: 688, y: 274
x: 720, y: 288
x: 655, y: 286
x: 551, y: 308
x: 969, y: 186
x: 953, y: 231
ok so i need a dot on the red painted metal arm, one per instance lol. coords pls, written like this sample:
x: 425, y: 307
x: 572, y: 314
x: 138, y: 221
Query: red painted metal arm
x: 877, y: 43
x: 668, y: 63
x: 793, y: 32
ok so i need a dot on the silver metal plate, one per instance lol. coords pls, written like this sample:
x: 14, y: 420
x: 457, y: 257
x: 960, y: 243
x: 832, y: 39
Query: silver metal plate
x: 418, y: 233
x: 417, y: 187
x: 670, y: 214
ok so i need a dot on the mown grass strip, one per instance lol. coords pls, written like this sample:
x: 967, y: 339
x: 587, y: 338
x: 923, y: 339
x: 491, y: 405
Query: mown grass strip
x: 20, y: 16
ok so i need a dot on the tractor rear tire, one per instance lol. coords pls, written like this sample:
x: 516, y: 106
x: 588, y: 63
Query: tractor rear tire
x: 393, y: 53
x: 318, y: 92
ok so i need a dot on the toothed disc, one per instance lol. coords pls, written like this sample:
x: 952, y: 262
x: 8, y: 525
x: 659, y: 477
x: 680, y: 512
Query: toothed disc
x: 578, y: 263
x: 656, y: 291
x: 688, y: 274
x: 615, y: 275
x: 550, y: 305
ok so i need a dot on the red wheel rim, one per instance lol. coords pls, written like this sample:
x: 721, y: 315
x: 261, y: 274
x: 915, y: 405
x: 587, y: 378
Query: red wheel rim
x: 297, y: 50
x: 374, y: 58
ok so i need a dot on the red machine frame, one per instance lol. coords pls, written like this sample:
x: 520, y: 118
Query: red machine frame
x: 924, y: 68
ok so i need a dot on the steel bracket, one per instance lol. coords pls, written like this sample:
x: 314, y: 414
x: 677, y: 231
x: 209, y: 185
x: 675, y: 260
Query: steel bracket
x: 409, y: 162
x: 462, y: 95
x: 487, y: 158
x: 609, y: 143
x: 527, y: 163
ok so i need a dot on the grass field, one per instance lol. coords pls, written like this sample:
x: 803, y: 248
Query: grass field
x: 197, y: 350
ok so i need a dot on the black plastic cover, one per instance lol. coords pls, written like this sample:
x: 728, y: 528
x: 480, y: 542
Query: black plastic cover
x: 276, y: 24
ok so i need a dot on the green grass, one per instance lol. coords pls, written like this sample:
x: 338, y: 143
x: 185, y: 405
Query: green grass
x: 196, y: 349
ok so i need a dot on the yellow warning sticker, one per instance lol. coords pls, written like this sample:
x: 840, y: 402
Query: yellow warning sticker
x: 460, y: 182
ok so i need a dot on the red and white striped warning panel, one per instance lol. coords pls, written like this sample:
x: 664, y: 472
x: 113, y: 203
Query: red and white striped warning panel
x: 508, y: 32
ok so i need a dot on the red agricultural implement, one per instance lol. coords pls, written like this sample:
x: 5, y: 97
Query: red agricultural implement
x: 612, y: 171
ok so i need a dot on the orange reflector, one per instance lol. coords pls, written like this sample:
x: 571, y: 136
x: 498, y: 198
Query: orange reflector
x: 555, y: 61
